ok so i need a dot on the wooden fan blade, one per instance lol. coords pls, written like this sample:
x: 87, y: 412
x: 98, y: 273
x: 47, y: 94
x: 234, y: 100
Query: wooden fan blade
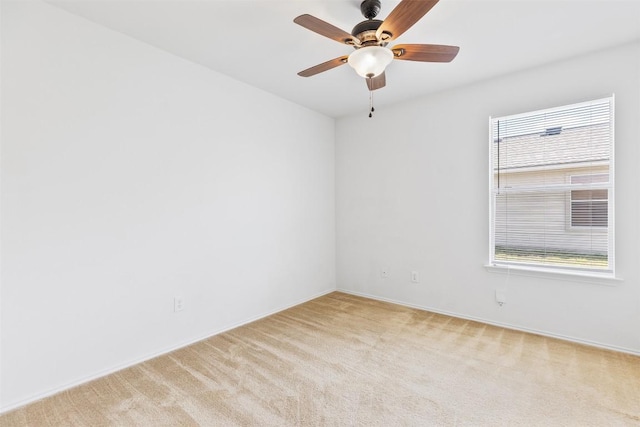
x: 323, y: 67
x: 425, y: 52
x: 325, y: 29
x: 405, y: 14
x: 377, y: 82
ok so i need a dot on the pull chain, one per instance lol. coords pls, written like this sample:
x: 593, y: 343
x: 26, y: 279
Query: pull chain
x: 370, y: 86
x: 371, y: 109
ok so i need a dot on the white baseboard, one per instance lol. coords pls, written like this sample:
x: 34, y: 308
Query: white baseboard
x: 491, y: 322
x: 15, y: 405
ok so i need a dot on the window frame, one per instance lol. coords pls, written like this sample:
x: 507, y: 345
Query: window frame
x: 550, y: 270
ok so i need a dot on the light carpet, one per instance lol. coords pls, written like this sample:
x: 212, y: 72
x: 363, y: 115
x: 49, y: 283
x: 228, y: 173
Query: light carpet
x: 342, y: 360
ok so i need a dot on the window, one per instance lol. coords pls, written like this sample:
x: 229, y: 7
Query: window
x: 551, y: 186
x: 589, y: 208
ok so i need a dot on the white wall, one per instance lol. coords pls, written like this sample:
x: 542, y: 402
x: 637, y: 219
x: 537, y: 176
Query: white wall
x: 412, y: 194
x: 130, y: 176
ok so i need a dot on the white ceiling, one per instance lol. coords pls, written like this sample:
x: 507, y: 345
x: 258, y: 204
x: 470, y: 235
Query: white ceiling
x: 256, y: 41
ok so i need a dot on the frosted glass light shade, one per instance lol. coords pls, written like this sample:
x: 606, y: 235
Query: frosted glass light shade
x: 370, y: 61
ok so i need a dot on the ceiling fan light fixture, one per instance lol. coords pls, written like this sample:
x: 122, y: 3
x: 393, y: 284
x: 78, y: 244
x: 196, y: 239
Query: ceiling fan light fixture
x: 370, y: 61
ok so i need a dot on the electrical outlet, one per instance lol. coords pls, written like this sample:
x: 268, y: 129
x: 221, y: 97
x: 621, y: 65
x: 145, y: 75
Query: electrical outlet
x: 178, y: 304
x: 384, y: 273
x: 414, y: 277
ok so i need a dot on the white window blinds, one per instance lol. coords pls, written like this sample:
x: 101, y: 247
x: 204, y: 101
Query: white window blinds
x: 551, y: 184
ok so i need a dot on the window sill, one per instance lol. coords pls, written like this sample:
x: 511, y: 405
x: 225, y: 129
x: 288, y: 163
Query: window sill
x: 547, y: 273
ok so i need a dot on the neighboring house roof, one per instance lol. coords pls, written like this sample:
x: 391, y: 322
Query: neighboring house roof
x: 572, y: 146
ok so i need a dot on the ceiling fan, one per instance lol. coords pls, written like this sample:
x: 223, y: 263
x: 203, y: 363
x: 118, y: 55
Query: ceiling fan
x: 370, y: 39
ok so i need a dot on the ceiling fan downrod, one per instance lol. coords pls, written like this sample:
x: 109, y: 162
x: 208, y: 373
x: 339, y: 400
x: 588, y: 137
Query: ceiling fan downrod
x: 370, y: 8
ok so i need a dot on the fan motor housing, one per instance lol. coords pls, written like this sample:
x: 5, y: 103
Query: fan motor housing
x: 365, y: 31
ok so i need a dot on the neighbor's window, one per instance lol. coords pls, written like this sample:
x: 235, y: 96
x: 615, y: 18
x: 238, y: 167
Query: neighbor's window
x: 589, y: 208
x: 552, y: 188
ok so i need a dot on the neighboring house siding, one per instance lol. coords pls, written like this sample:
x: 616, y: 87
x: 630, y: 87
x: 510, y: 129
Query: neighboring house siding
x: 554, y: 207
